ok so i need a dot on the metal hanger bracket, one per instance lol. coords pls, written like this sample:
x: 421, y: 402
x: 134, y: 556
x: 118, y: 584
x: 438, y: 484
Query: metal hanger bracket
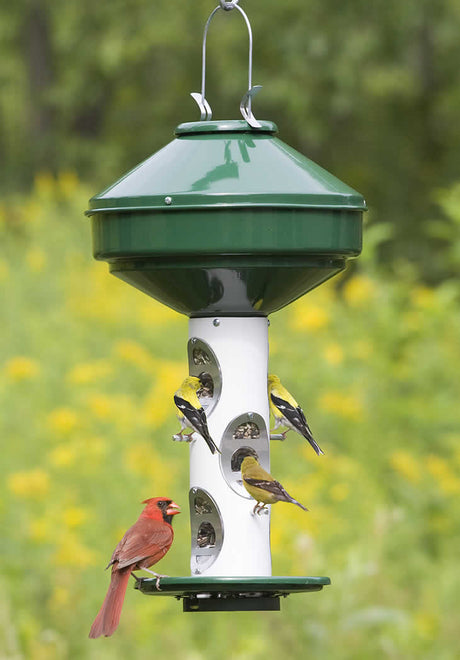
x: 246, y: 101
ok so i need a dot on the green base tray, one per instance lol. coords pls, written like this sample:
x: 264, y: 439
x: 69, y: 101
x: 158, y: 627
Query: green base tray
x: 223, y: 594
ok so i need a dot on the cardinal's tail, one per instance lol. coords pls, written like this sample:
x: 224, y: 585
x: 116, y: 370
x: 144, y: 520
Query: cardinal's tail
x: 108, y: 617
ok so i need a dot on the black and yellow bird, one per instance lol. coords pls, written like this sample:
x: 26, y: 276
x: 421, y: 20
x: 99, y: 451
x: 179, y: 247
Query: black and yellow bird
x: 287, y: 411
x: 262, y: 487
x: 191, y: 414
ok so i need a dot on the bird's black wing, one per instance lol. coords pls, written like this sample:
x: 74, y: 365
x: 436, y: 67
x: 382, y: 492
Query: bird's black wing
x: 297, y: 418
x: 276, y: 488
x: 197, y: 419
x: 264, y: 484
x: 286, y: 409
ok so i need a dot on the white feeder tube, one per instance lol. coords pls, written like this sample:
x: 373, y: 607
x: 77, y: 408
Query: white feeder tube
x: 240, y: 345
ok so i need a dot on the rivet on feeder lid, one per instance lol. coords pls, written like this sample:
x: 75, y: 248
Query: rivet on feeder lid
x: 168, y: 201
x: 216, y: 323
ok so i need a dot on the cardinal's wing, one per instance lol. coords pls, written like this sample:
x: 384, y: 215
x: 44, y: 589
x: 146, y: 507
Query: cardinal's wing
x: 146, y: 538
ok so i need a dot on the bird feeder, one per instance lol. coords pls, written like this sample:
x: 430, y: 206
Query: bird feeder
x: 227, y: 224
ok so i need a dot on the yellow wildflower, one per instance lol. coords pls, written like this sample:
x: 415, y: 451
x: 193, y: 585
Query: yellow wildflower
x: 39, y: 530
x: 95, y: 295
x: 89, y: 372
x: 74, y: 516
x: 100, y: 405
x: 93, y: 449
x: 62, y: 420
x: 36, y: 260
x: 158, y: 403
x: 59, y: 598
x: 311, y: 317
x: 339, y: 492
x: 31, y: 211
x: 62, y: 456
x: 135, y: 354
x: 423, y: 297
x: 33, y: 484
x: 21, y: 368
x: 44, y: 184
x: 359, y: 290
x: 333, y: 354
x: 68, y: 183
x: 344, y: 405
x: 71, y: 552
x: 406, y: 465
x: 142, y: 459
x: 441, y: 471
x: 152, y: 313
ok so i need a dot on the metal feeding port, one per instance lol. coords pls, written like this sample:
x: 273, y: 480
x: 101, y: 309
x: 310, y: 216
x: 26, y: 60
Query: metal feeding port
x: 206, y: 528
x: 246, y: 435
x: 203, y: 364
x: 246, y: 430
x: 240, y: 455
x: 231, y: 594
x: 206, y: 536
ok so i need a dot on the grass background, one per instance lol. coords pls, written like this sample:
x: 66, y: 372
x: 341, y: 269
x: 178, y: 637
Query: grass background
x: 87, y: 368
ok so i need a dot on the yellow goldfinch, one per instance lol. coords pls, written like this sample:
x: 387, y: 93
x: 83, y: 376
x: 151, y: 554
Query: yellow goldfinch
x: 191, y: 414
x: 262, y: 487
x: 287, y: 411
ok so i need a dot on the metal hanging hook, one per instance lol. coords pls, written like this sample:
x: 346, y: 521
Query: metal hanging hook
x: 246, y: 101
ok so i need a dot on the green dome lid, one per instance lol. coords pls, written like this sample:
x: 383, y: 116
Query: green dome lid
x: 226, y: 164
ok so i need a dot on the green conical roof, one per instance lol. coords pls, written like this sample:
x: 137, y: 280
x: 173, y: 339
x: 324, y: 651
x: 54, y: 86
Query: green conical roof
x: 227, y: 163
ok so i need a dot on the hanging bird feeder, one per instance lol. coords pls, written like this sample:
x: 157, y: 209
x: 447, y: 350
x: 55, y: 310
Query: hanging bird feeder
x: 227, y: 224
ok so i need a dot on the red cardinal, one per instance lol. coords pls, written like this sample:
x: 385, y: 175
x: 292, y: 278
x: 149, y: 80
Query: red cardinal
x: 145, y: 543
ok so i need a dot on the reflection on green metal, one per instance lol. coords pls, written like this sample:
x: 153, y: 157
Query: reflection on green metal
x: 226, y: 219
x: 218, y: 594
x: 236, y: 166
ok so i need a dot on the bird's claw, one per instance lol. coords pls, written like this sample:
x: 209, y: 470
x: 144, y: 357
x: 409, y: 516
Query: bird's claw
x: 158, y: 577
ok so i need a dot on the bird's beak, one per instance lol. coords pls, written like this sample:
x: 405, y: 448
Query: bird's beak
x: 172, y: 509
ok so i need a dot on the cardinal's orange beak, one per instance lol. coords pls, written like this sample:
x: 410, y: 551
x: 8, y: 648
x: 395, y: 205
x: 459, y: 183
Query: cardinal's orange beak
x: 172, y: 509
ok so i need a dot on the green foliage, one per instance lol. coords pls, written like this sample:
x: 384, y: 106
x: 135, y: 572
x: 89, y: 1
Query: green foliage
x: 87, y: 368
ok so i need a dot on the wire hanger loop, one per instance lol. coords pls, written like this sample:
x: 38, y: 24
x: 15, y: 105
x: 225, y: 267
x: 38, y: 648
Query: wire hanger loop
x: 246, y: 101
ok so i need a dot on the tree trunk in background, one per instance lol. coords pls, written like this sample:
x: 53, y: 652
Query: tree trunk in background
x: 39, y: 57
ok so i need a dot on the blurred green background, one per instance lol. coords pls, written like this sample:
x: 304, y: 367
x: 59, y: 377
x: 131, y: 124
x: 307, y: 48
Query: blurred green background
x: 87, y: 365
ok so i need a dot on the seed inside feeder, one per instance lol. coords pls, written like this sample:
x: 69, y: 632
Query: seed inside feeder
x: 206, y: 537
x: 200, y: 357
x: 201, y: 506
x: 206, y: 391
x: 246, y: 431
